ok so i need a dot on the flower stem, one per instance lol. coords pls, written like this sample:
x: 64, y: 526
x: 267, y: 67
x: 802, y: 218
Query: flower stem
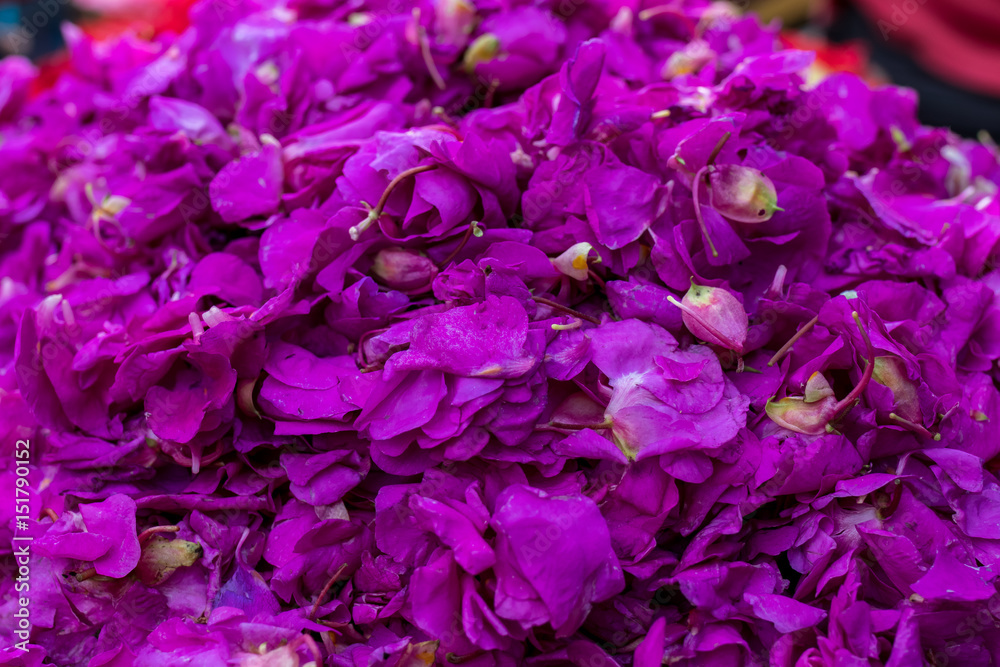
x: 718, y: 148
x: 565, y: 309
x: 696, y: 195
x: 473, y: 226
x: 606, y: 424
x: 846, y: 404
x: 696, y: 190
x: 425, y: 52
x: 376, y: 213
x: 597, y: 279
x: 913, y: 426
x: 326, y: 589
x: 780, y: 354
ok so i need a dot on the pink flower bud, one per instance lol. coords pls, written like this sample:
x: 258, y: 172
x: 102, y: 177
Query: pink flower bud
x: 817, y: 388
x: 404, y: 270
x: 802, y: 416
x: 454, y: 20
x: 742, y: 193
x: 715, y: 316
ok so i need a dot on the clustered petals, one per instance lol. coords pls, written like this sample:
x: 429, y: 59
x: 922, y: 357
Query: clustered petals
x: 493, y: 333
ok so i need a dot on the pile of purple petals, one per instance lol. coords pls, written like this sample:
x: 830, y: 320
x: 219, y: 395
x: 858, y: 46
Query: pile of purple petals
x: 534, y: 332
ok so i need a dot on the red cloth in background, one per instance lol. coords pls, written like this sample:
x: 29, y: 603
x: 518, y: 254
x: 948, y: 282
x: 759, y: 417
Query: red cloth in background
x: 146, y: 18
x: 830, y: 58
x: 957, y: 40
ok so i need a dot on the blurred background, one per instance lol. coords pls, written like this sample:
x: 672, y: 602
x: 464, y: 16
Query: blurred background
x: 947, y: 50
x: 32, y: 27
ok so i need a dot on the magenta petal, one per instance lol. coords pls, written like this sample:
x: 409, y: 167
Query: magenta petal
x: 553, y: 554
x: 650, y: 652
x: 250, y: 185
x: 948, y: 579
x: 788, y: 615
x: 115, y: 519
x: 79, y: 546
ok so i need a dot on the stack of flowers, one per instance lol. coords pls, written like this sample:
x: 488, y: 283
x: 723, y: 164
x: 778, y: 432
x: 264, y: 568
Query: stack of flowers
x: 550, y: 332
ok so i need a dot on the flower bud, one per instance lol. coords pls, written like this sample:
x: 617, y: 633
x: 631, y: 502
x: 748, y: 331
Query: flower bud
x: 798, y: 414
x: 688, y: 60
x: 808, y: 414
x: 419, y: 654
x: 816, y: 411
x: 244, y: 396
x: 742, y: 193
x: 890, y: 372
x: 817, y: 388
x: 573, y: 262
x: 404, y: 270
x: 161, y: 557
x: 483, y: 50
x: 715, y: 316
x: 454, y: 20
